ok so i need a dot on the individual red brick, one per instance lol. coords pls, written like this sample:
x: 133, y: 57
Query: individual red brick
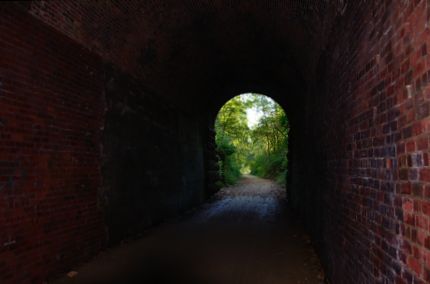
x: 405, y: 188
x: 410, y: 146
x: 421, y: 238
x: 426, y: 159
x: 409, y: 219
x: 417, y: 205
x: 427, y: 242
x: 427, y: 191
x: 408, y: 206
x: 401, y: 148
x: 414, y: 264
x: 427, y: 275
x: 404, y: 174
x: 425, y: 175
x: 426, y: 207
x: 422, y: 222
x: 422, y: 143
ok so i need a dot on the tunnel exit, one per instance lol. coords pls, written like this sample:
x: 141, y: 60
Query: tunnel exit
x: 252, y: 138
x: 107, y: 134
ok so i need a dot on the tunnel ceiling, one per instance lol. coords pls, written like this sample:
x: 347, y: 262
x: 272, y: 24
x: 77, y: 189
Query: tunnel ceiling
x: 186, y: 49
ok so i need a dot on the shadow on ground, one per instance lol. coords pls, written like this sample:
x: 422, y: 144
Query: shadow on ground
x: 243, y: 236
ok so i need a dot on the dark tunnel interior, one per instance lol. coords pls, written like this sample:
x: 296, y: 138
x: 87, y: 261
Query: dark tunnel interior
x: 107, y: 112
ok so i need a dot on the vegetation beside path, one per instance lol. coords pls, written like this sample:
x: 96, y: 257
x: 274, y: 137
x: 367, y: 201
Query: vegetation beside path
x: 252, y: 138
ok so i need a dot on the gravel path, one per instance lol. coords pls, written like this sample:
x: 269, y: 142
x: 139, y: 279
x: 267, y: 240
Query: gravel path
x: 242, y: 236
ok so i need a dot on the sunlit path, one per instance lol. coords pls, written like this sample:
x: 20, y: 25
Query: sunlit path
x: 251, y: 137
x: 242, y: 236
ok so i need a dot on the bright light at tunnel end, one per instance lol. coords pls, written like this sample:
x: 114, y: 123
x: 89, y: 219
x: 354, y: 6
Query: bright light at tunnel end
x: 253, y: 114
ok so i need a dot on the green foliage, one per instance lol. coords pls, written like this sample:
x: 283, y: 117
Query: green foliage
x: 273, y: 166
x: 270, y: 137
x: 261, y: 149
x: 228, y: 167
x: 231, y: 134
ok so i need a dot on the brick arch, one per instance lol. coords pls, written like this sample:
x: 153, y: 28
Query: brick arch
x: 171, y: 41
x: 99, y: 100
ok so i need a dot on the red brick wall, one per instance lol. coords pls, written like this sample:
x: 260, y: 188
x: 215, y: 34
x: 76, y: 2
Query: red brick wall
x: 51, y: 113
x: 371, y: 123
x: 360, y: 148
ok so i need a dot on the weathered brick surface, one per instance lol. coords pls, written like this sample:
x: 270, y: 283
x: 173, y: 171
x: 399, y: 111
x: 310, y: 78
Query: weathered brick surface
x: 153, y: 159
x: 51, y: 110
x: 183, y: 49
x: 371, y: 123
x: 359, y: 159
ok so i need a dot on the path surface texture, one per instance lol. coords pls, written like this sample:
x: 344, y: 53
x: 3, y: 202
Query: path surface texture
x: 243, y: 235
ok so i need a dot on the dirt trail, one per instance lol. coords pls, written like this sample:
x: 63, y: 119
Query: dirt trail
x: 243, y: 236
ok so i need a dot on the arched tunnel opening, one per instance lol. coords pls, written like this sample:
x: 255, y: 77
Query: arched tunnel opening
x: 251, y: 138
x: 107, y: 133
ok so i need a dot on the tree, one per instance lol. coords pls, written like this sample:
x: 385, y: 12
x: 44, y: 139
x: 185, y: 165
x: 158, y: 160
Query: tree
x: 232, y: 134
x: 261, y: 150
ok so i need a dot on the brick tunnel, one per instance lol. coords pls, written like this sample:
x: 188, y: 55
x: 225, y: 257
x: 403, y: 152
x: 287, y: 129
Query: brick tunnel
x: 107, y: 111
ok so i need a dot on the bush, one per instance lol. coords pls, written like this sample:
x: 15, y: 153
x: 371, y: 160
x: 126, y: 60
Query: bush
x: 229, y: 170
x: 272, y: 166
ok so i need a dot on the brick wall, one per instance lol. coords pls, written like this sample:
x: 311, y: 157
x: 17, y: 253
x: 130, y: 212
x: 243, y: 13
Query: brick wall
x: 89, y: 155
x: 153, y: 164
x: 368, y: 202
x: 359, y: 143
x: 51, y: 110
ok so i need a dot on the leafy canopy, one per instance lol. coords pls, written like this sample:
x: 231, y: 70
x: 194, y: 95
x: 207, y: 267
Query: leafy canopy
x: 259, y: 148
